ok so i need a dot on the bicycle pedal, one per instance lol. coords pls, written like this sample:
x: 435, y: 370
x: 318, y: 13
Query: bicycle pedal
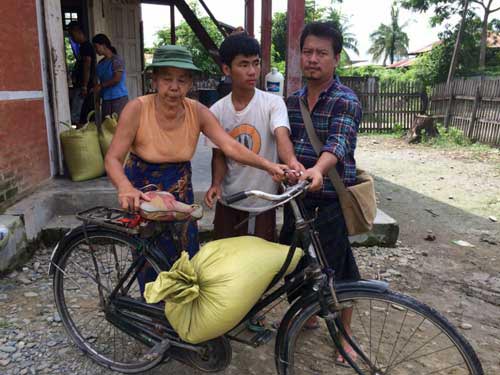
x: 261, y: 338
x: 158, y: 350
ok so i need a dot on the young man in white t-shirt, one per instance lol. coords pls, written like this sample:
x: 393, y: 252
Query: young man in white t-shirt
x: 258, y: 120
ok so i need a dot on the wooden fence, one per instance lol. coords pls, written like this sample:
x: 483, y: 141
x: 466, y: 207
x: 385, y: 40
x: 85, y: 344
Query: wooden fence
x: 471, y: 105
x: 387, y: 104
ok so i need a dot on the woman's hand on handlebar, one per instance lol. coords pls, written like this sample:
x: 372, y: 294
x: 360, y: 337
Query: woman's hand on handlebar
x: 130, y: 198
x: 315, y: 176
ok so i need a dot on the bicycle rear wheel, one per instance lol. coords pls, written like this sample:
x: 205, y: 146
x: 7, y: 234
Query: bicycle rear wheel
x: 83, y: 280
x: 397, y: 334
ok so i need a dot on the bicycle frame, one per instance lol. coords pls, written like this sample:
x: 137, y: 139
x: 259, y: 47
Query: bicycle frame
x: 147, y: 322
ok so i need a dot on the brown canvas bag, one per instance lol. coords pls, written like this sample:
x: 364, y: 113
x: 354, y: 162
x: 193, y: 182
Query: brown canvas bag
x: 358, y: 201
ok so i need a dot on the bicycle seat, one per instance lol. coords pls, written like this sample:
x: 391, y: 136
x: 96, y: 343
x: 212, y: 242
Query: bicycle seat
x: 164, y: 207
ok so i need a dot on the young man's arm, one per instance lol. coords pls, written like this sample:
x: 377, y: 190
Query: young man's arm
x: 286, y: 152
x: 219, y: 169
x: 280, y: 127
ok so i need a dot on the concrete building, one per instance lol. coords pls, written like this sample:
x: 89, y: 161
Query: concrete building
x: 34, y: 80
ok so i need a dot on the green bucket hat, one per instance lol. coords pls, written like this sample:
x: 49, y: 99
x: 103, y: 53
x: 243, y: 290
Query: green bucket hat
x: 173, y: 56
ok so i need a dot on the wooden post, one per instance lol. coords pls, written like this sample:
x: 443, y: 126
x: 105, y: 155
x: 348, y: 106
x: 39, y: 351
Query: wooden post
x: 424, y: 101
x: 472, y: 121
x: 172, y: 25
x: 448, y: 107
x: 454, y: 58
x: 295, y: 23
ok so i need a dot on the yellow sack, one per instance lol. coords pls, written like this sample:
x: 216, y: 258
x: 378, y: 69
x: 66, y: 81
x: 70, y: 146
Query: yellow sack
x: 82, y: 152
x: 208, y: 295
x: 108, y: 130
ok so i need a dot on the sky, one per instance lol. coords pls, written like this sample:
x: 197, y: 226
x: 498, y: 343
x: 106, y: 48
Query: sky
x: 364, y: 17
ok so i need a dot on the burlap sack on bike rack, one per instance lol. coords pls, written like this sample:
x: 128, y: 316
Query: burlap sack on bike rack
x: 208, y: 295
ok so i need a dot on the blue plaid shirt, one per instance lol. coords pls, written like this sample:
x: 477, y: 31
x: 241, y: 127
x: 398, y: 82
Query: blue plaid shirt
x: 336, y: 117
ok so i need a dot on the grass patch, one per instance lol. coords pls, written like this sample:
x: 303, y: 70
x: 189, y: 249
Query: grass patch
x: 454, y: 139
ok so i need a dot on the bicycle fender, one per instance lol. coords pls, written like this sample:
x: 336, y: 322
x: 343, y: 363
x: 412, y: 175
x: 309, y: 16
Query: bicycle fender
x: 294, y: 311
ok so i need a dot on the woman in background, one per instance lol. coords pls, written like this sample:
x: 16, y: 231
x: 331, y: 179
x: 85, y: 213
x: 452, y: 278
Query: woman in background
x: 111, y: 73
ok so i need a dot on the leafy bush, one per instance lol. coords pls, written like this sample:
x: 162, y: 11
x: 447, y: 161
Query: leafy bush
x: 398, y: 130
x: 452, y: 137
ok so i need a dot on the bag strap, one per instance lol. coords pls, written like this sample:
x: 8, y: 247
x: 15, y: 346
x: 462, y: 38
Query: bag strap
x: 318, y: 146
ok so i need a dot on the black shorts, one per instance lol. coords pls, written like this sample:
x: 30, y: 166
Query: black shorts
x: 230, y: 222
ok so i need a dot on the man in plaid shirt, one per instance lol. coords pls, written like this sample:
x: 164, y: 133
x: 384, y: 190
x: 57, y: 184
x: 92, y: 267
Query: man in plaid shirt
x: 336, y: 114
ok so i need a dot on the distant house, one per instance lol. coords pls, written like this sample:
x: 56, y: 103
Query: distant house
x: 492, y: 41
x: 412, y: 56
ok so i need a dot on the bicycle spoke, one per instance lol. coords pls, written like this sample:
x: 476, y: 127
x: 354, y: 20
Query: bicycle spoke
x: 398, y: 336
x: 442, y: 369
x: 86, y: 279
x: 400, y: 341
x: 386, y: 313
x: 91, y: 277
x: 422, y: 356
x: 408, y: 340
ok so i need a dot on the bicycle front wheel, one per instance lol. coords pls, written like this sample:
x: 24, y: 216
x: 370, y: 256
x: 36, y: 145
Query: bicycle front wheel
x: 85, y: 274
x: 397, y: 334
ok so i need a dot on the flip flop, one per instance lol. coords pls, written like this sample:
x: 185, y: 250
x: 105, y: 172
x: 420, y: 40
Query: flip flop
x: 312, y: 323
x: 256, y: 324
x: 340, y: 360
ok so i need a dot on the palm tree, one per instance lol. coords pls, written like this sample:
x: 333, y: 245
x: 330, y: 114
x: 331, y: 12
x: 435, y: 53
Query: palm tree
x: 389, y: 41
x: 342, y: 23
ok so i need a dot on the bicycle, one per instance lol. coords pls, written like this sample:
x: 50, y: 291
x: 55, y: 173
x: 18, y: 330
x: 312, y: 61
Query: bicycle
x: 96, y: 267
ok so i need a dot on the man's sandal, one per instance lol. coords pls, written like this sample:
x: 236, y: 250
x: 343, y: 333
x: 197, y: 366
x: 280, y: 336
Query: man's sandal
x: 257, y: 324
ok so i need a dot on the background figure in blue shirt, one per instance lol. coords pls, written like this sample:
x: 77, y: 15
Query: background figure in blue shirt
x: 336, y: 114
x: 112, y: 77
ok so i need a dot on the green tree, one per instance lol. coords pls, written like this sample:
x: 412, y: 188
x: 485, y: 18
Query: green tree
x: 389, y: 41
x: 444, y: 9
x: 433, y: 66
x: 312, y: 13
x: 342, y: 23
x: 186, y: 37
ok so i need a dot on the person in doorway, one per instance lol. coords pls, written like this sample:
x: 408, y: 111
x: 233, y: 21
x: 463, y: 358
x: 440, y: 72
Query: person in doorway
x: 336, y: 114
x: 161, y: 131
x: 111, y: 73
x: 83, y: 76
x: 259, y: 121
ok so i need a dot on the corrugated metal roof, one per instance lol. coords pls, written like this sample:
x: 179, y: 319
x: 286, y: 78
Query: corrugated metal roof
x: 402, y: 63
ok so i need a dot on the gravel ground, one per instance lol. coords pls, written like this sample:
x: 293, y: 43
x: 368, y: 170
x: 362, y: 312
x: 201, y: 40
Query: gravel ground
x: 461, y: 282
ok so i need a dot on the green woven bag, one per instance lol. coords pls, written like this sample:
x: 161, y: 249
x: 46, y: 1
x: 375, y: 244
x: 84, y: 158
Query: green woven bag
x: 82, y: 152
x: 108, y: 130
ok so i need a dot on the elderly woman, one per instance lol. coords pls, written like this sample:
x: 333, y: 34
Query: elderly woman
x: 161, y: 131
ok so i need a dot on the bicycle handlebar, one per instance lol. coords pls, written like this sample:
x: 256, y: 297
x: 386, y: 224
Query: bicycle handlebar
x: 289, y: 193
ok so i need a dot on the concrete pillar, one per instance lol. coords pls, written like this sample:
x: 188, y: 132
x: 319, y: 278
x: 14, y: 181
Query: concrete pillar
x: 249, y: 17
x: 295, y: 23
x: 265, y: 39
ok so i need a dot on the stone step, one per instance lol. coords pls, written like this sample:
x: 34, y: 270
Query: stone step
x: 49, y: 213
x: 384, y: 233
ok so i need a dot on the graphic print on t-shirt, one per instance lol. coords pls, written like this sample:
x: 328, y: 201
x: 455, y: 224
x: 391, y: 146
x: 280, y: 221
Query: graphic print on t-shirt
x: 248, y: 136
